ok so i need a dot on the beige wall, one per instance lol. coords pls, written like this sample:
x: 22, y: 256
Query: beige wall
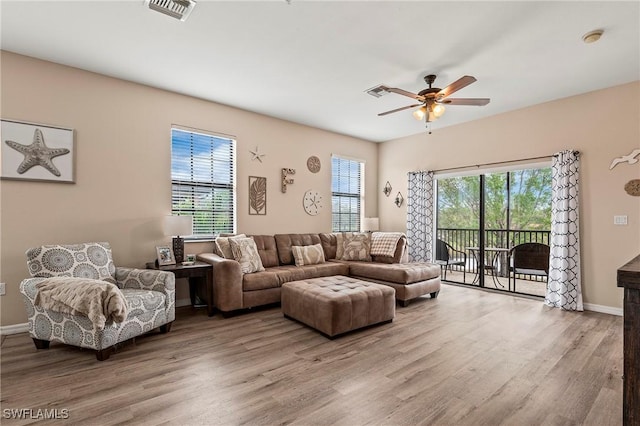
x: 123, y: 157
x: 602, y: 125
x: 122, y: 187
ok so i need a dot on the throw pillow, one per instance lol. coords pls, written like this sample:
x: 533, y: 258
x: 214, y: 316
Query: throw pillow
x: 308, y: 255
x: 340, y: 238
x: 385, y: 243
x: 245, y: 252
x: 222, y: 244
x: 357, y: 247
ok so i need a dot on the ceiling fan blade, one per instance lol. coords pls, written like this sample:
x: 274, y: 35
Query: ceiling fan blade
x: 405, y: 93
x: 398, y: 109
x: 455, y: 86
x: 465, y: 101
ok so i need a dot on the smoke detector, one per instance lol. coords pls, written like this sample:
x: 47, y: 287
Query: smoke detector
x: 179, y: 9
x: 592, y: 36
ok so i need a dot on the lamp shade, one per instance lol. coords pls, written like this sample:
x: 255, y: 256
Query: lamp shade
x: 178, y: 225
x: 370, y: 224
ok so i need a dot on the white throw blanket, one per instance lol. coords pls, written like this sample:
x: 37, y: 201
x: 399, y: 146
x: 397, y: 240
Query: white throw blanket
x: 98, y: 300
x: 384, y: 243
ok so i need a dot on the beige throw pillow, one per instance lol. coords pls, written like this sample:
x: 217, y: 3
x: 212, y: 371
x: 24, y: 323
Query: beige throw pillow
x: 245, y: 252
x: 340, y: 238
x: 357, y: 247
x: 308, y: 255
x: 224, y: 249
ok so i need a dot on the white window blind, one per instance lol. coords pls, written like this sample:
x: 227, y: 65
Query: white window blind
x: 346, y: 194
x: 202, y: 181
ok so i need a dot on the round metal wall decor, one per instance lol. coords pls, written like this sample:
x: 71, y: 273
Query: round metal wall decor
x: 313, y: 164
x: 633, y: 187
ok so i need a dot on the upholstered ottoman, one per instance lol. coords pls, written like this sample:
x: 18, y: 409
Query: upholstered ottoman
x: 338, y: 304
x: 410, y: 280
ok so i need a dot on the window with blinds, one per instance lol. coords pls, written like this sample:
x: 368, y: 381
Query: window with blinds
x: 346, y: 194
x: 202, y: 181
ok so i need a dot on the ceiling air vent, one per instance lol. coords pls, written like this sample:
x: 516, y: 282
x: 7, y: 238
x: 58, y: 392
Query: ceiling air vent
x: 377, y: 91
x: 179, y: 9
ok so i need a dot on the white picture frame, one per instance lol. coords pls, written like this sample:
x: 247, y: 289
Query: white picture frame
x: 165, y: 255
x: 55, y: 146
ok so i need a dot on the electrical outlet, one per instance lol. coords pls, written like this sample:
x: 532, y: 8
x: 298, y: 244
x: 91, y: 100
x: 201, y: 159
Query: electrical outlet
x: 2, y: 289
x: 620, y: 220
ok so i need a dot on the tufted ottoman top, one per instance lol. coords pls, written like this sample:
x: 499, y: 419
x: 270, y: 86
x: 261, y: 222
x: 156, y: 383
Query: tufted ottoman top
x: 337, y: 286
x: 337, y: 304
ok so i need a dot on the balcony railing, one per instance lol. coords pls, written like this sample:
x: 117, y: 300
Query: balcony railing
x: 463, y: 239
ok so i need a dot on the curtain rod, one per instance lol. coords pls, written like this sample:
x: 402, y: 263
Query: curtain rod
x: 544, y: 157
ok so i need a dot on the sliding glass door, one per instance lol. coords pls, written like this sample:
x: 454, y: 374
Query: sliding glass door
x: 530, y: 221
x: 458, y: 228
x: 481, y: 218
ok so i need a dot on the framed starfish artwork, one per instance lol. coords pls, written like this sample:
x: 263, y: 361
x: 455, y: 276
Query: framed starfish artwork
x: 37, y: 152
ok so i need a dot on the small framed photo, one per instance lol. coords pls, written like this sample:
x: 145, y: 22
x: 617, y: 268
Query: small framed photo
x: 36, y: 152
x: 165, y: 255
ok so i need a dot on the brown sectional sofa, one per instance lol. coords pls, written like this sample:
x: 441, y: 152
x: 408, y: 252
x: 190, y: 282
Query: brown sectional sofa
x: 234, y: 290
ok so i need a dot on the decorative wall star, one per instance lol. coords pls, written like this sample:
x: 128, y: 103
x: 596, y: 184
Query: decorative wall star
x: 255, y: 155
x: 37, y: 154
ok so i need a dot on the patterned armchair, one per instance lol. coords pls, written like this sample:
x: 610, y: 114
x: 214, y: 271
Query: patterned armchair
x: 149, y: 294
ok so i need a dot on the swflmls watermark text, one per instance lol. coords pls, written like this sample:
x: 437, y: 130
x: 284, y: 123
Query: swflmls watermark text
x: 35, y: 414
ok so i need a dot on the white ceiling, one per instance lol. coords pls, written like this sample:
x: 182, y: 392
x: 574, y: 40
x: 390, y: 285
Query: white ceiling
x: 310, y: 62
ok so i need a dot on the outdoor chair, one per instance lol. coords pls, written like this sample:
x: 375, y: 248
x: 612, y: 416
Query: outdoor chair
x: 447, y: 256
x: 529, y: 259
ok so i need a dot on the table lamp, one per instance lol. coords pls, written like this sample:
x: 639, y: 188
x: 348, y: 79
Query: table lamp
x: 174, y: 226
x: 370, y: 224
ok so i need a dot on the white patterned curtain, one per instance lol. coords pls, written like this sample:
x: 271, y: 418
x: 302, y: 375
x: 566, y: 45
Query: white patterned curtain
x: 420, y: 216
x: 564, y: 288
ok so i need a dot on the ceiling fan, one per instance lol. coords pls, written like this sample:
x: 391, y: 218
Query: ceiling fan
x: 432, y: 99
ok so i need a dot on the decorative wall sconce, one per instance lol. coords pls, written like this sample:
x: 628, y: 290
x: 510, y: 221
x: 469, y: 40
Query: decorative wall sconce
x: 387, y: 189
x: 286, y: 181
x: 399, y: 199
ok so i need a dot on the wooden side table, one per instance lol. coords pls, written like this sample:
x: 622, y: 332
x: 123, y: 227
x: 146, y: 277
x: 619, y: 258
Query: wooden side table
x: 199, y: 272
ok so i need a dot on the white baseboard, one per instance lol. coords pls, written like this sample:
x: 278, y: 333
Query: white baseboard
x: 5, y: 330
x: 603, y: 309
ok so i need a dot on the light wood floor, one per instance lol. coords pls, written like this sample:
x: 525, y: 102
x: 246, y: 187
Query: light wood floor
x: 469, y: 357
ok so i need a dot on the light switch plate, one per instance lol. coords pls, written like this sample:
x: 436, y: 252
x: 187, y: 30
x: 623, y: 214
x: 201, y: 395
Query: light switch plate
x: 2, y: 289
x: 620, y: 220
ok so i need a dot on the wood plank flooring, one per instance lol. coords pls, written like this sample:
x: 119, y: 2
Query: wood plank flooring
x: 468, y: 357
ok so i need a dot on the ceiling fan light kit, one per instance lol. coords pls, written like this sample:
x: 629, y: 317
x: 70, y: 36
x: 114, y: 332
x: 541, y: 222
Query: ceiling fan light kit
x: 432, y: 99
